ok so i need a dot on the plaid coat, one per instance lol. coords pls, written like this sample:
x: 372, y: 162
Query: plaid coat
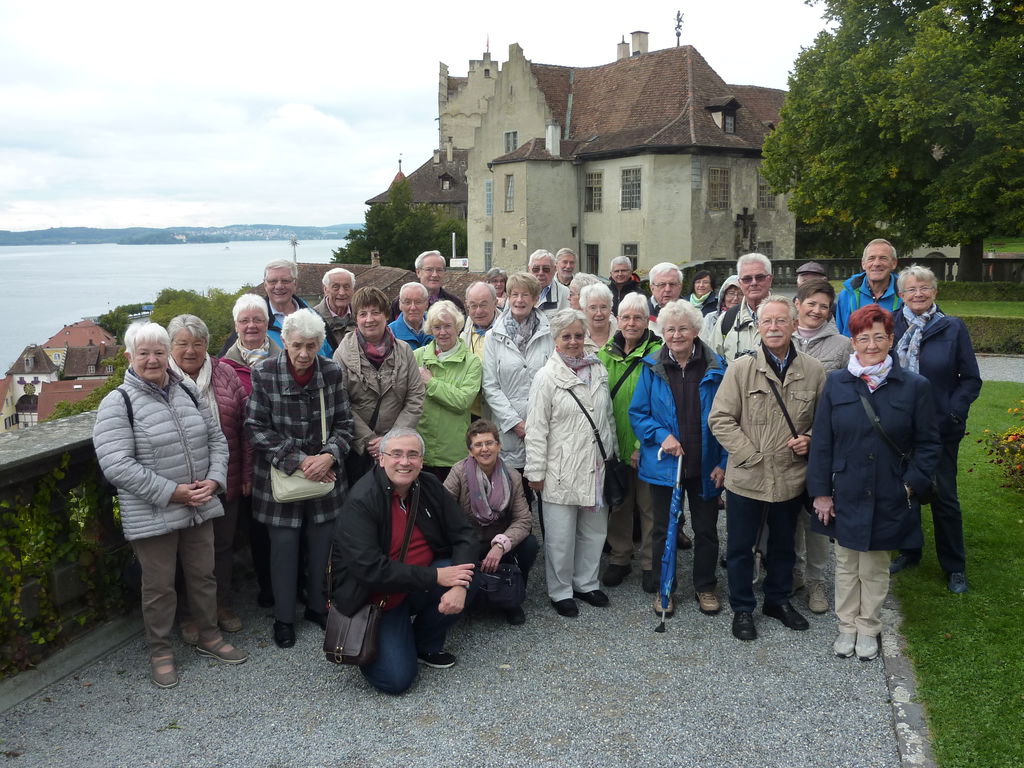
x: 283, y: 424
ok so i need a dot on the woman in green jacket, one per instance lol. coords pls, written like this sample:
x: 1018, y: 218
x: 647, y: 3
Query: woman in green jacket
x: 452, y: 375
x: 621, y: 356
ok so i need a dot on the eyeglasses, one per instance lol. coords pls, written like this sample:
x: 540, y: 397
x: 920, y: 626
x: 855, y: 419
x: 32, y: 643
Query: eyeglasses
x: 922, y: 289
x: 666, y: 285
x: 770, y: 321
x: 400, y: 455
x: 540, y: 269
x: 484, y: 444
x: 282, y: 281
x: 748, y: 279
x: 878, y: 340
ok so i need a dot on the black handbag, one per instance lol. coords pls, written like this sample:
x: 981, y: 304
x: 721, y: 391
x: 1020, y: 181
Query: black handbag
x: 504, y: 589
x: 928, y: 495
x: 616, y: 474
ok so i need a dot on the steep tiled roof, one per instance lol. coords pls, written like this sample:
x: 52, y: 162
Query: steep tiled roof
x: 78, y: 359
x: 764, y: 103
x: 425, y: 181
x: 41, y: 362
x: 54, y: 392
x: 78, y: 335
x: 556, y: 84
x: 536, y: 149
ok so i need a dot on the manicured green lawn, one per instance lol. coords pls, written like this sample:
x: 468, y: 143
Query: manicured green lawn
x: 983, y: 308
x: 1005, y: 244
x: 968, y: 650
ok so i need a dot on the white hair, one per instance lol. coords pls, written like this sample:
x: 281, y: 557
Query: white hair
x: 563, y: 251
x: 191, y: 324
x: 146, y: 333
x: 916, y: 272
x: 621, y: 260
x: 397, y: 432
x: 664, y: 268
x: 680, y: 310
x: 421, y: 286
x: 563, y: 318
x: 635, y: 302
x: 774, y: 298
x: 304, y: 324
x: 441, y: 309
x: 754, y: 258
x: 596, y: 291
x: 291, y: 266
x: 581, y: 280
x: 480, y: 283
x: 539, y: 254
x: 249, y: 301
x: 338, y: 271
x: 418, y: 264
x: 878, y: 241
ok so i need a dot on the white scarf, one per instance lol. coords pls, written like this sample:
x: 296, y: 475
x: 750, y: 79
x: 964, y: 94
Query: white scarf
x: 873, y: 375
x: 204, y: 381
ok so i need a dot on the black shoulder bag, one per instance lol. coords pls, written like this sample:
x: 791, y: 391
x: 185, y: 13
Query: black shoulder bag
x: 928, y: 496
x: 616, y: 474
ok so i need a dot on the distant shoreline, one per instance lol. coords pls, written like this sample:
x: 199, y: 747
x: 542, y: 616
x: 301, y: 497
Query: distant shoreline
x: 172, y: 235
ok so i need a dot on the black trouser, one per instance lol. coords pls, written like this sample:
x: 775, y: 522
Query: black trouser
x: 743, y: 523
x: 946, y: 516
x: 703, y: 518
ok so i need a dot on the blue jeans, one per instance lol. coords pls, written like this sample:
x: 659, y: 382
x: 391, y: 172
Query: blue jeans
x: 743, y: 521
x: 402, y: 638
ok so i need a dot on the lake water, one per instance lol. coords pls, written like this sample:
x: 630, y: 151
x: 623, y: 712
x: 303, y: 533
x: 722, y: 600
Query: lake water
x: 48, y: 287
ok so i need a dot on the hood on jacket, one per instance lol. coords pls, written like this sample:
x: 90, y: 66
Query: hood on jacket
x: 730, y: 280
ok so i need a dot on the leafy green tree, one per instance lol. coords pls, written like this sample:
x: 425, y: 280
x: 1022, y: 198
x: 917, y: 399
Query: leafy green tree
x: 401, y: 230
x: 213, y: 307
x: 116, y: 321
x: 907, y: 120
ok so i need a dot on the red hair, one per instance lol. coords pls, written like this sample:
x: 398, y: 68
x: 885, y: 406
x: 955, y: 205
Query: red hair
x: 865, y: 317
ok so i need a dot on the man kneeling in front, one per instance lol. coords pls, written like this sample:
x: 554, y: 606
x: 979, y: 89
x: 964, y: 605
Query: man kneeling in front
x: 395, y: 543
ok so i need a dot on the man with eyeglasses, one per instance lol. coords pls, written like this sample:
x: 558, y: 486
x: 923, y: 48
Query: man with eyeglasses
x: 736, y: 333
x: 565, y: 265
x: 402, y: 541
x: 429, y: 267
x: 876, y: 284
x: 666, y: 281
x: 481, y: 312
x: 553, y: 295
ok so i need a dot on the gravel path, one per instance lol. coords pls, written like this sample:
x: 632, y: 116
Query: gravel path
x: 1001, y: 368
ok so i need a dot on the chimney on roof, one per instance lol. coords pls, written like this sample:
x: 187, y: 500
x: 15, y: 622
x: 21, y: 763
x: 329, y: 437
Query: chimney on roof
x: 622, y: 50
x: 553, y: 139
x: 374, y: 258
x: 448, y: 149
x: 639, y: 43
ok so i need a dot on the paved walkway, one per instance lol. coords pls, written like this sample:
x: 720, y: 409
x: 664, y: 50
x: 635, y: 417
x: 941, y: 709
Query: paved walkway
x: 1001, y: 367
x: 601, y: 690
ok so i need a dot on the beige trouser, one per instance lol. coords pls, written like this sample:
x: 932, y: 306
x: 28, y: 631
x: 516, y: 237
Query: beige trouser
x: 620, y: 524
x: 157, y: 557
x: 862, y: 582
x: 811, y: 550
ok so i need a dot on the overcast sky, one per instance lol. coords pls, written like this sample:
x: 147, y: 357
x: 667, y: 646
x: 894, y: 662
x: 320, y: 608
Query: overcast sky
x: 116, y: 114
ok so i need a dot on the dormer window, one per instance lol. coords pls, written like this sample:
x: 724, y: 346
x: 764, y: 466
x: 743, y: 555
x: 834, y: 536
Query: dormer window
x: 446, y: 181
x: 29, y: 361
x: 729, y: 122
x: 723, y: 112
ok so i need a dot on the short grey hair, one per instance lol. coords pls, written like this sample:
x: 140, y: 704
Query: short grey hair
x: 878, y: 241
x: 538, y: 255
x: 397, y: 432
x: 249, y: 301
x: 494, y: 273
x: 754, y: 258
x: 581, y: 280
x: 635, y: 302
x: 288, y: 264
x: 191, y: 324
x: 664, y: 268
x: 338, y: 271
x: 775, y: 298
x: 490, y: 289
x: 439, y: 310
x: 563, y: 318
x: 418, y: 264
x: 304, y: 324
x: 421, y: 286
x: 563, y: 251
x: 145, y: 333
x: 919, y: 273
x: 681, y: 310
x: 596, y: 291
x: 621, y: 260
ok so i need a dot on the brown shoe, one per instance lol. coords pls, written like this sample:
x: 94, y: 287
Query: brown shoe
x: 228, y: 620
x: 708, y: 603
x: 189, y: 632
x: 670, y: 611
x: 162, y: 672
x: 221, y: 650
x: 817, y: 601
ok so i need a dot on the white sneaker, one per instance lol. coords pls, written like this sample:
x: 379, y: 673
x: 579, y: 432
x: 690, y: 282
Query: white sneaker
x: 844, y: 645
x: 867, y: 647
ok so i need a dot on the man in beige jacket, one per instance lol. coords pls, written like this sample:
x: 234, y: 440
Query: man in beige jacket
x: 767, y: 461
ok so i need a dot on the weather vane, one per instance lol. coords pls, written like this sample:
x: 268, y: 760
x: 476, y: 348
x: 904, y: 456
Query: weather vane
x: 679, y: 26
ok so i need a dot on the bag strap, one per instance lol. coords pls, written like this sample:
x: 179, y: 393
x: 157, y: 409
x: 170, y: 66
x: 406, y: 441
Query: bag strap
x: 782, y: 405
x: 372, y: 423
x: 729, y: 319
x: 877, y: 424
x: 593, y: 426
x: 632, y: 367
x: 323, y: 418
x: 128, y: 407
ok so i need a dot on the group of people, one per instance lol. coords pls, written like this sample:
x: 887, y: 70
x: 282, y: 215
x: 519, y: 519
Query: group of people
x: 435, y: 423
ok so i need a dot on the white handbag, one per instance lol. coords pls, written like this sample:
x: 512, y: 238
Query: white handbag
x: 296, y: 487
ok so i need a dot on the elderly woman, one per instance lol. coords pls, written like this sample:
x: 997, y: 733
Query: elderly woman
x: 622, y: 356
x: 159, y: 443
x: 491, y: 495
x: 729, y: 295
x: 579, y: 281
x: 864, y: 484
x: 702, y: 293
x: 298, y: 420
x: 939, y: 348
x: 596, y: 303
x: 219, y: 385
x: 565, y: 463
x: 498, y: 278
x: 515, y: 349
x: 816, y: 335
x: 669, y: 414
x: 451, y: 377
x: 382, y: 379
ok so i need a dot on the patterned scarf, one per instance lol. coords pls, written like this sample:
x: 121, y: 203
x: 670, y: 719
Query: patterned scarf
x: 522, y: 332
x: 376, y: 353
x: 873, y: 375
x: 253, y: 357
x: 204, y: 381
x: 909, y: 348
x: 580, y: 365
x: 488, y: 496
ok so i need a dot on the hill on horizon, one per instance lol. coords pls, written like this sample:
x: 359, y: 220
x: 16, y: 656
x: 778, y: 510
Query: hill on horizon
x: 172, y: 235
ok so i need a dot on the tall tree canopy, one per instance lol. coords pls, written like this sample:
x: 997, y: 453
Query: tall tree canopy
x: 401, y: 230
x: 907, y: 120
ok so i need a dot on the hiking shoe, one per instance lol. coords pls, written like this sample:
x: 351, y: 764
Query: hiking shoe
x: 439, y: 660
x: 708, y: 603
x: 845, y: 644
x: 669, y: 611
x: 817, y: 601
x: 957, y: 582
x: 866, y: 647
x: 614, y: 574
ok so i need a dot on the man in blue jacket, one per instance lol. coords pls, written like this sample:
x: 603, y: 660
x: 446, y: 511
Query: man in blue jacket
x: 876, y: 284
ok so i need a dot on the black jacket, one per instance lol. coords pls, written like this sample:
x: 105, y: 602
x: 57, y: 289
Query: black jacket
x: 362, y: 540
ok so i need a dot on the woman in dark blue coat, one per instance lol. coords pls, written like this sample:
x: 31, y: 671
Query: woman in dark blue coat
x: 939, y: 348
x: 864, y: 490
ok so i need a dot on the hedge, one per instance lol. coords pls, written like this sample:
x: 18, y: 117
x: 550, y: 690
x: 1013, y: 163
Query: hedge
x: 1002, y: 335
x: 954, y: 291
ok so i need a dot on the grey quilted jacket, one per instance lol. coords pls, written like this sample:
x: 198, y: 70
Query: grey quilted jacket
x: 171, y: 442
